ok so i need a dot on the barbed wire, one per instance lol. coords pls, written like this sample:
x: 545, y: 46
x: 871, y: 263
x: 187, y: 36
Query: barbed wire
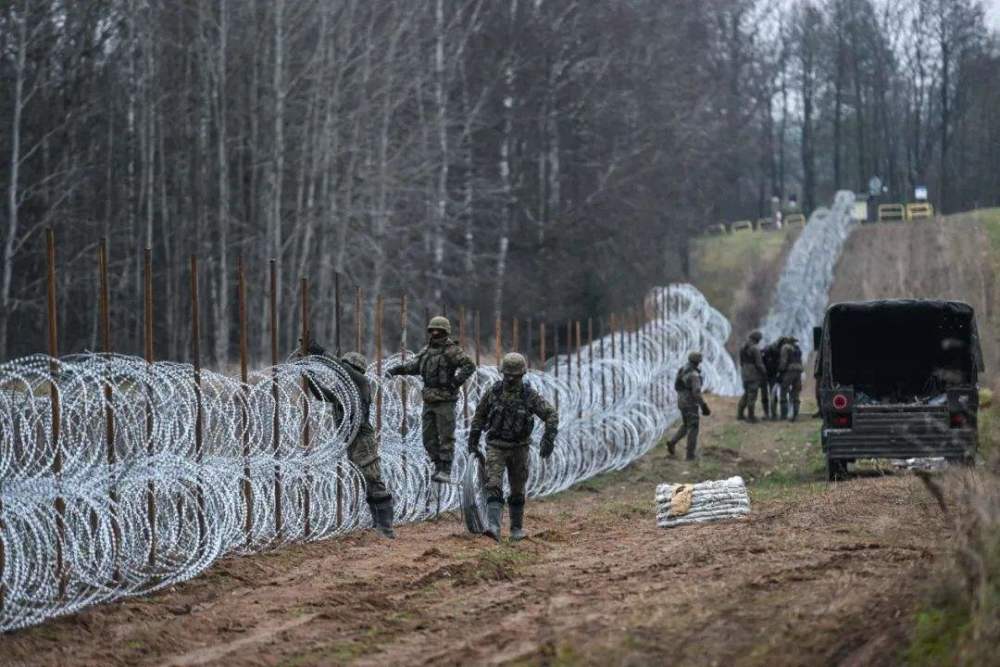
x: 120, y: 477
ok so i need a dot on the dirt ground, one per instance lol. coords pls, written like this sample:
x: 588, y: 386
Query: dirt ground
x: 818, y: 574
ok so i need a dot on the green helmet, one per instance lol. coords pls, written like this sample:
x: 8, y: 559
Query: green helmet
x: 440, y: 322
x: 756, y: 336
x: 694, y: 358
x: 513, y: 364
x: 356, y: 360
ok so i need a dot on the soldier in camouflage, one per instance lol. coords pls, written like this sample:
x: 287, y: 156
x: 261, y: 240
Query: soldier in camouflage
x: 754, y: 373
x: 791, y: 369
x: 444, y: 367
x: 506, y: 412
x: 690, y: 401
x: 771, y: 354
x: 363, y: 450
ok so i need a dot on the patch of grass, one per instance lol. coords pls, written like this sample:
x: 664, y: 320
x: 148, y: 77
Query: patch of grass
x: 936, y: 636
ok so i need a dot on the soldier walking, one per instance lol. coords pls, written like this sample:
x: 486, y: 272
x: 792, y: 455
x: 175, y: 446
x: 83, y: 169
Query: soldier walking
x: 506, y: 412
x: 444, y: 367
x: 791, y: 377
x: 689, y: 400
x: 363, y: 450
x: 754, y: 373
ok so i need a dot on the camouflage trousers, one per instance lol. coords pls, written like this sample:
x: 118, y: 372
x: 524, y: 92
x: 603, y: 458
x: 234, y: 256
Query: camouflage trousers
x: 514, y: 461
x: 791, y: 388
x: 690, y: 424
x: 363, y: 453
x: 439, y: 431
x: 749, y: 399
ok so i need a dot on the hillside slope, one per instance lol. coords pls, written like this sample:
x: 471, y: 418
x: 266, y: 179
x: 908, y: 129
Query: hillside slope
x: 738, y: 274
x: 955, y: 257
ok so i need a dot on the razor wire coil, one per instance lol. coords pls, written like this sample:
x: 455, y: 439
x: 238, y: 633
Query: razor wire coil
x: 120, y: 477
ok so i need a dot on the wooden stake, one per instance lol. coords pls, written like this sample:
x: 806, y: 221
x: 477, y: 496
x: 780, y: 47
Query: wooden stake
x: 276, y: 419
x: 54, y: 402
x: 304, y: 296
x: 148, y: 346
x: 241, y: 295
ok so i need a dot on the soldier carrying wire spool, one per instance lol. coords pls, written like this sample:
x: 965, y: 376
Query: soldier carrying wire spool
x: 507, y: 412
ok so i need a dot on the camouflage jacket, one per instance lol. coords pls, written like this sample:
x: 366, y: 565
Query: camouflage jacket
x: 688, y: 386
x: 364, y: 387
x: 444, y: 368
x: 752, y: 363
x: 508, y: 417
x: 791, y: 358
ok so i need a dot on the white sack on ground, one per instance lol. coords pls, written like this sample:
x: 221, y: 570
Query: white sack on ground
x: 710, y: 501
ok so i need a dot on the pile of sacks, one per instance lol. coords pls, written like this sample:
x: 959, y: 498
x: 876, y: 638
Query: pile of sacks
x: 679, y: 504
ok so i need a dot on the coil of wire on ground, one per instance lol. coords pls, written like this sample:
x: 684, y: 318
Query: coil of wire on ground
x: 119, y: 477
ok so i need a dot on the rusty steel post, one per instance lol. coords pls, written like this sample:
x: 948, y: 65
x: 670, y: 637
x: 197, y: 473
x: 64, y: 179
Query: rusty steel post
x: 54, y: 402
x: 614, y: 383
x: 529, y: 347
x: 515, y: 336
x: 461, y: 344
x: 555, y: 358
x: 357, y: 321
x: 109, y: 413
x: 379, y: 307
x: 199, y: 417
x: 275, y: 419
x: 541, y: 345
x: 590, y: 355
x: 304, y: 297
x: 148, y: 347
x: 569, y: 352
x: 336, y: 309
x: 241, y: 296
x: 498, y: 334
x: 402, y: 358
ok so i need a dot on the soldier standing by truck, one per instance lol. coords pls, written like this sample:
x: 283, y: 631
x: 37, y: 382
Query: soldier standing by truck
x: 790, y: 369
x: 689, y: 399
x: 444, y: 367
x: 754, y: 373
x: 507, y: 413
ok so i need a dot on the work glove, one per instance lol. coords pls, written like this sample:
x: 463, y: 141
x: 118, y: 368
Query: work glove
x: 704, y: 409
x: 546, y: 448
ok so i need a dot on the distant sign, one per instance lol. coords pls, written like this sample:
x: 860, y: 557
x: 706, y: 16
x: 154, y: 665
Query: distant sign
x: 875, y: 186
x: 920, y: 193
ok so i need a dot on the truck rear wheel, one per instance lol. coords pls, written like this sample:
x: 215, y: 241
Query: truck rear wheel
x: 836, y: 469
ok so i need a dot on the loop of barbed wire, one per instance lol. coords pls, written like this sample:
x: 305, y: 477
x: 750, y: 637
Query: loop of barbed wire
x: 803, y: 291
x: 119, y: 477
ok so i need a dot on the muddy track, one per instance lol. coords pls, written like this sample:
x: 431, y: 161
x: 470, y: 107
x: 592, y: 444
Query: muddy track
x: 818, y: 574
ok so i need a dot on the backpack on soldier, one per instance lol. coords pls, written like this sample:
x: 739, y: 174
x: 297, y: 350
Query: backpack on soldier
x: 680, y: 382
x: 511, y: 420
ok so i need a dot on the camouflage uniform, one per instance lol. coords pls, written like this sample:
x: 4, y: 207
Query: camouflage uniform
x: 444, y: 367
x: 690, y: 401
x: 506, y: 412
x: 363, y: 450
x: 791, y: 369
x: 754, y: 373
x: 771, y: 354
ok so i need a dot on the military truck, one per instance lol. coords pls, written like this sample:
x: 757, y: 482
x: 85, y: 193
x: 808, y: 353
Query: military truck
x: 897, y: 379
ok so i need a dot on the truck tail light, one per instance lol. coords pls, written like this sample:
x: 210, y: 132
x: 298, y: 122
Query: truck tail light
x: 958, y: 420
x: 840, y: 402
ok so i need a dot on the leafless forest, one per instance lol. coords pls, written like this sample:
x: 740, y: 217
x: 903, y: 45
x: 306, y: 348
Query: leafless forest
x: 541, y: 158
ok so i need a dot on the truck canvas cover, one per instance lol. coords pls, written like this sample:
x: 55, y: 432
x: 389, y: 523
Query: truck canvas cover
x: 902, y: 351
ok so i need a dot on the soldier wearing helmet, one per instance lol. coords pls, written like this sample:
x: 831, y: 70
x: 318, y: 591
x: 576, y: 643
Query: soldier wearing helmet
x: 687, y: 384
x: 506, y: 413
x: 790, y: 370
x: 363, y: 450
x: 754, y: 374
x: 444, y: 367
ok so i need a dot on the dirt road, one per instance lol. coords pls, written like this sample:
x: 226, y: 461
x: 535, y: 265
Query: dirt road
x: 819, y: 574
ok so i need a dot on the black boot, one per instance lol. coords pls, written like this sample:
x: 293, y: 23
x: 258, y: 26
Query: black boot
x: 672, y: 447
x: 751, y: 417
x: 494, y: 509
x: 382, y: 516
x: 795, y: 412
x: 516, y: 507
x: 784, y: 411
